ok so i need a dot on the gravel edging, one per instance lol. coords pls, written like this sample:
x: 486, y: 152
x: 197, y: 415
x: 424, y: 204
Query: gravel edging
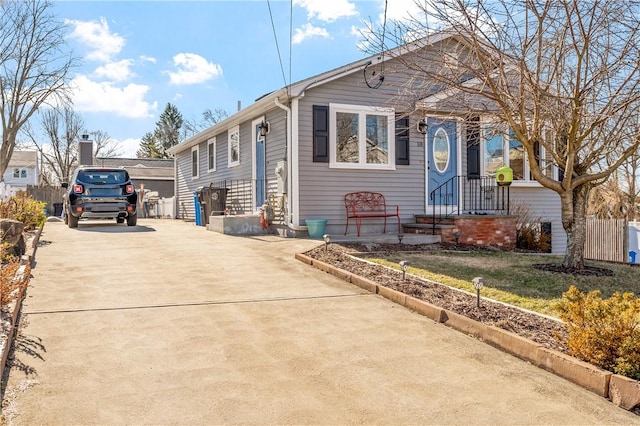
x: 16, y: 304
x: 620, y: 390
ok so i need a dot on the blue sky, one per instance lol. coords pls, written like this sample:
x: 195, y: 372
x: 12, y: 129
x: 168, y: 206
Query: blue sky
x: 136, y: 56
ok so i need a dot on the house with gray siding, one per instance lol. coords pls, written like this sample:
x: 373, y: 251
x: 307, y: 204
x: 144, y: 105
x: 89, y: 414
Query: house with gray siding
x: 300, y: 149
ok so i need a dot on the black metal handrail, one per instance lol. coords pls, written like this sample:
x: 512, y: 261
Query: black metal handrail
x: 461, y: 194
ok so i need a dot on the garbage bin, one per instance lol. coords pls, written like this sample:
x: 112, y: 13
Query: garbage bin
x: 57, y: 209
x: 632, y: 256
x: 197, y: 207
x: 218, y: 201
x: 205, y: 203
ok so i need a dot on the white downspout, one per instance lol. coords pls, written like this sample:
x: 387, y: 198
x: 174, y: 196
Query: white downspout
x: 289, y: 158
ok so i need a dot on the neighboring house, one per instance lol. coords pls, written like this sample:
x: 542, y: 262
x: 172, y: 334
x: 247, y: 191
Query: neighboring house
x: 23, y: 170
x: 334, y: 133
x: 156, y: 174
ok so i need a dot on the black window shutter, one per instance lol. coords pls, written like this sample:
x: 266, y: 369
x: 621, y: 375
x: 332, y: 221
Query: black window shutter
x: 473, y: 147
x: 402, y: 141
x: 320, y: 134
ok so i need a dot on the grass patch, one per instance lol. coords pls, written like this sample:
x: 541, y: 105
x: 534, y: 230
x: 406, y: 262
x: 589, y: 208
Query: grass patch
x: 510, y: 277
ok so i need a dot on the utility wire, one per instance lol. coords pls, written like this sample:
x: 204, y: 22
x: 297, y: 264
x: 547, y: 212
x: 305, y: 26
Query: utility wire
x: 275, y: 36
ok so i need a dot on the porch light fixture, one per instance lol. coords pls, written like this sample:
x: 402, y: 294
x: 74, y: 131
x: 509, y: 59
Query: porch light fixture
x: 404, y: 264
x: 327, y: 240
x: 264, y: 128
x: 478, y: 283
x: 422, y: 126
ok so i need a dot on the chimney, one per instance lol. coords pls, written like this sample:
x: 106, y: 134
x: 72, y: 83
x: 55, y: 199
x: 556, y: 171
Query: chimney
x: 239, y: 105
x: 86, y: 150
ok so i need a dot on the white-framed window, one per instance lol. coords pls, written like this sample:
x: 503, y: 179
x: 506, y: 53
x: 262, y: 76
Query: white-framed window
x: 234, y: 146
x: 361, y: 137
x: 19, y: 173
x: 195, y: 162
x: 211, y: 155
x: 500, y: 147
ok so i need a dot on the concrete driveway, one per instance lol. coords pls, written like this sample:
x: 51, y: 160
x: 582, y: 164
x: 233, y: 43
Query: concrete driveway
x: 166, y: 323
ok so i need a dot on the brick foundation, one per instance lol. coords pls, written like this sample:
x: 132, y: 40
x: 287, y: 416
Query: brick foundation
x: 497, y: 231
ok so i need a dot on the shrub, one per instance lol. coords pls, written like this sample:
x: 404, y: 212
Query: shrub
x: 24, y: 209
x: 11, y: 285
x: 603, y: 332
x: 529, y: 235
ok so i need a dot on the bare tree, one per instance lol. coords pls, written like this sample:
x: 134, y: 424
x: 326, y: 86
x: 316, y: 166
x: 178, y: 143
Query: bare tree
x: 34, y: 65
x: 561, y: 74
x: 59, y: 148
x: 618, y: 197
x: 104, y: 146
x: 209, y: 118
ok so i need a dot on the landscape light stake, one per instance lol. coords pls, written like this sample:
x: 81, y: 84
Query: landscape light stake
x: 456, y: 235
x: 478, y: 283
x: 327, y: 240
x: 404, y: 264
x: 400, y: 237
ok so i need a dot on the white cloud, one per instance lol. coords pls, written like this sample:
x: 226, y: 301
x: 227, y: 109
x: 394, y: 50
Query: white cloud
x: 103, y: 44
x: 308, y: 31
x: 127, y: 101
x: 327, y: 11
x: 401, y: 10
x: 116, y: 71
x: 148, y: 59
x: 128, y: 147
x: 193, y: 69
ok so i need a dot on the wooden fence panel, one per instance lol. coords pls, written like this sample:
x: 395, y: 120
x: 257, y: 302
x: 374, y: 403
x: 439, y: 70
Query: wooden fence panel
x: 49, y: 194
x: 607, y: 239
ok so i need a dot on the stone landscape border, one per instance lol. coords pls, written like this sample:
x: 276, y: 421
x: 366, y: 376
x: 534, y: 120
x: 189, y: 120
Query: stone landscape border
x: 16, y: 304
x: 622, y: 391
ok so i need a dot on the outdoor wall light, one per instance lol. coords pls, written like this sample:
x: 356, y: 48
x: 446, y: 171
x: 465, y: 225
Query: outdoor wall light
x: 478, y: 283
x: 327, y: 240
x: 404, y: 264
x: 264, y: 128
x: 422, y: 126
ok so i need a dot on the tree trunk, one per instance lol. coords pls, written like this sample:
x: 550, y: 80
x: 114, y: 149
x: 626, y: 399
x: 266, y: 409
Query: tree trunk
x: 574, y: 222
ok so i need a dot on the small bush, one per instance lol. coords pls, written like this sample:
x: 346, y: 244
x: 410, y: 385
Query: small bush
x: 11, y: 286
x: 603, y: 332
x: 24, y: 209
x: 529, y: 235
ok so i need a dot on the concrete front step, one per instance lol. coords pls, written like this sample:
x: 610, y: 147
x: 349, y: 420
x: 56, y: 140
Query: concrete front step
x: 428, y: 219
x: 425, y: 228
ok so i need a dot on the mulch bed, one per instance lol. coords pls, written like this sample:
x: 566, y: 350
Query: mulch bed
x: 540, y: 329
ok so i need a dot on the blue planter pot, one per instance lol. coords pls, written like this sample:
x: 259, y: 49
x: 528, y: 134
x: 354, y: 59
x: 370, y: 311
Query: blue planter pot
x: 316, y: 227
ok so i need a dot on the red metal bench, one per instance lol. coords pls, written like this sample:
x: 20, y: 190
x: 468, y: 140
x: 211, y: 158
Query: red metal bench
x: 368, y: 205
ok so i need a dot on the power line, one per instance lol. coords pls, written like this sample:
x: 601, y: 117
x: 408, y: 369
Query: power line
x: 275, y: 36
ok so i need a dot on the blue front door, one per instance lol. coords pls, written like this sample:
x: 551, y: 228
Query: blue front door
x: 442, y: 162
x: 260, y: 169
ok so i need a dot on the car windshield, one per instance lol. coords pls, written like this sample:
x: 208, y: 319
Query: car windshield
x: 103, y: 177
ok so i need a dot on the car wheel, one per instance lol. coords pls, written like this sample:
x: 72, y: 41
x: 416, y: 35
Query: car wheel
x: 120, y: 220
x: 72, y: 221
x: 132, y: 220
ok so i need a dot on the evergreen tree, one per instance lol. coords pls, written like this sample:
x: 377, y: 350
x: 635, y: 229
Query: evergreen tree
x: 164, y: 136
x: 168, y: 129
x: 149, y: 147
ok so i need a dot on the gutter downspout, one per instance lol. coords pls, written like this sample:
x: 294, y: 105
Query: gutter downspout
x: 289, y: 158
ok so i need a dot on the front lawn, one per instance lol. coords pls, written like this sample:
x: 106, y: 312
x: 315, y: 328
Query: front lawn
x: 510, y: 277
